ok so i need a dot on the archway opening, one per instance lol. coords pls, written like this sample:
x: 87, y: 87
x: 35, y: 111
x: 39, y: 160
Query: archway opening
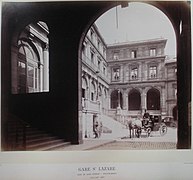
x: 134, y: 100
x: 120, y: 51
x: 153, y: 99
x: 116, y: 99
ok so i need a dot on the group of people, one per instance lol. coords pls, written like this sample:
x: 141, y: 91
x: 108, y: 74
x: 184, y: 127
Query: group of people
x: 97, y: 126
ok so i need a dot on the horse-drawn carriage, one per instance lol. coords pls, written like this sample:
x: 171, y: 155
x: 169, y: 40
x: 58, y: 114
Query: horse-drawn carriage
x: 147, y: 125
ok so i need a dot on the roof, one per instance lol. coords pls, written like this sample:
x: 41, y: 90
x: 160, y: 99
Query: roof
x: 156, y: 40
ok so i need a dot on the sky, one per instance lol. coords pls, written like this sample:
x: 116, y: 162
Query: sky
x: 138, y: 21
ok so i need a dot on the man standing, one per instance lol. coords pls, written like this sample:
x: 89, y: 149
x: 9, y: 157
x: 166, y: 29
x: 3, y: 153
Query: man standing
x: 146, y: 117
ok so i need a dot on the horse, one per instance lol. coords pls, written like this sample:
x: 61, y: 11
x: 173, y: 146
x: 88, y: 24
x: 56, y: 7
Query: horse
x: 135, y: 126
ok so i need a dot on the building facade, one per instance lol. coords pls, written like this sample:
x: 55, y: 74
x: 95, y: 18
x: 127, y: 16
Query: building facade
x: 125, y: 79
x: 171, y: 87
x: 95, y: 81
x: 30, y: 60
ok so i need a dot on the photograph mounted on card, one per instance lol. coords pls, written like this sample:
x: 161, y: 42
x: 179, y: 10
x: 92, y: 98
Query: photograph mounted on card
x: 96, y: 76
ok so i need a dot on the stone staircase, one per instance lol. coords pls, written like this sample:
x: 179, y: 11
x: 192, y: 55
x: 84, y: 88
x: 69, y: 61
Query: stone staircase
x: 21, y: 136
x: 117, y: 129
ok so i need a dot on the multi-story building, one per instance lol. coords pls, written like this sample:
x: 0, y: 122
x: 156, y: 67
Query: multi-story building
x: 171, y: 86
x: 139, y: 77
x: 95, y: 81
x: 123, y: 80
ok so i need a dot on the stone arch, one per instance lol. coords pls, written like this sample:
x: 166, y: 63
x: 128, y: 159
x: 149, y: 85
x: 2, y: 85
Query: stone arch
x: 153, y: 99
x: 116, y: 99
x: 134, y: 100
x: 29, y: 59
x: 23, y: 40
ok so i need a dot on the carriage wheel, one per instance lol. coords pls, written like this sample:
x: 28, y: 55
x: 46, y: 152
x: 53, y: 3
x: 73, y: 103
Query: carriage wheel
x: 163, y: 129
x: 148, y: 131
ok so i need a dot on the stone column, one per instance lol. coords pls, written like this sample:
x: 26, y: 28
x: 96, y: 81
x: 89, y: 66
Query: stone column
x: 119, y: 110
x: 119, y: 100
x: 125, y: 105
x: 143, y: 101
x: 163, y: 101
x: 89, y: 87
x: 85, y: 125
x: 124, y: 100
x: 109, y: 100
x: 46, y: 68
x: 141, y: 72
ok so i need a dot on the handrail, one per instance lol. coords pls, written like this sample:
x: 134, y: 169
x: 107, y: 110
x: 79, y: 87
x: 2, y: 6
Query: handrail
x: 16, y: 128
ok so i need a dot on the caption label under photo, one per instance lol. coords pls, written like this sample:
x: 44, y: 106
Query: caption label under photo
x: 96, y: 172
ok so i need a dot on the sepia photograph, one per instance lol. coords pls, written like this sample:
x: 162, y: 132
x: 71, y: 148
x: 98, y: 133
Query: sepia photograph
x: 96, y: 77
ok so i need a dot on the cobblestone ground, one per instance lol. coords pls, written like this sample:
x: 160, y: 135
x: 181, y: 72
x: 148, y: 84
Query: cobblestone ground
x: 109, y: 142
x: 127, y: 145
x: 155, y: 141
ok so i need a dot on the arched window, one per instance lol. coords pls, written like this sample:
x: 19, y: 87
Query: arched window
x: 84, y: 88
x: 116, y: 99
x: 28, y: 69
x: 30, y: 60
x: 153, y: 99
x: 92, y: 92
x: 134, y: 99
x: 100, y: 91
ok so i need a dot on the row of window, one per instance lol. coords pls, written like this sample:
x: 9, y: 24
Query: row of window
x: 96, y: 41
x: 134, y: 74
x: 133, y: 54
x: 94, y: 58
x: 93, y: 94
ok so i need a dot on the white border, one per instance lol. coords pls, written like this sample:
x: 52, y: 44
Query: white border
x: 159, y: 164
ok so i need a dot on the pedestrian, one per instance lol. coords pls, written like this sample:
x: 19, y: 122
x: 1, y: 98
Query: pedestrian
x: 146, y: 118
x: 96, y: 132
x: 100, y: 128
x: 146, y: 115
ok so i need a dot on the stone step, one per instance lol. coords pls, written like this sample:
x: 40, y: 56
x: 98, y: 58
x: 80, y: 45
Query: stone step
x: 56, y: 146
x: 44, y: 144
x: 36, y: 140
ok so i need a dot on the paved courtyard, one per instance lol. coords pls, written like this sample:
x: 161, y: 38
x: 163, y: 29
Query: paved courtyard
x: 155, y: 141
x: 109, y: 142
x: 129, y: 145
